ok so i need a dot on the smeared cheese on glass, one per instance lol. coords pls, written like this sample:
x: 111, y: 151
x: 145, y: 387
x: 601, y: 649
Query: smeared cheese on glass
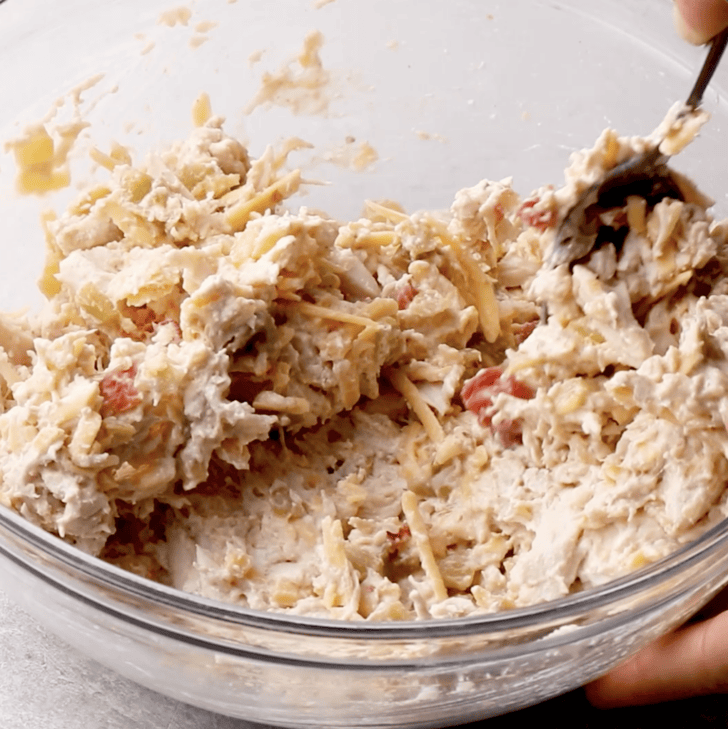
x: 367, y: 419
x: 177, y: 16
x: 356, y: 156
x: 42, y: 151
x: 303, y: 85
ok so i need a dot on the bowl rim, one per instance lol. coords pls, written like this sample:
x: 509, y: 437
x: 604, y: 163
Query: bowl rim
x: 162, y: 596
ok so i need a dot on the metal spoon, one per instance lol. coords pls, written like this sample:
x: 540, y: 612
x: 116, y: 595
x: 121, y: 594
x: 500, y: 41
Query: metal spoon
x: 646, y: 174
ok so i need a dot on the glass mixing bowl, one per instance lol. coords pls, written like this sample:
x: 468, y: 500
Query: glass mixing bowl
x: 299, y: 672
x: 445, y: 93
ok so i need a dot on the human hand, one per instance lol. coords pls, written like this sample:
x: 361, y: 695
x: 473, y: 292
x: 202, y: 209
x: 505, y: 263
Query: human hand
x: 698, y: 21
x: 692, y: 661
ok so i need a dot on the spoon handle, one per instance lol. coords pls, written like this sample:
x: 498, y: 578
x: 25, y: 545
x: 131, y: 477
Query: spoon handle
x: 717, y: 46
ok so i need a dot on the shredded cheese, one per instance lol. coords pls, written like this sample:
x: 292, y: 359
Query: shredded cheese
x: 419, y: 407
x: 416, y: 523
x: 239, y: 215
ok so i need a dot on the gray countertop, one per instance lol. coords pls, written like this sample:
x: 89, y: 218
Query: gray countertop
x: 44, y: 683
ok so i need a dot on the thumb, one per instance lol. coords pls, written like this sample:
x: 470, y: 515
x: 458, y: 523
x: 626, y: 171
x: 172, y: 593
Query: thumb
x: 692, y: 661
x: 697, y: 21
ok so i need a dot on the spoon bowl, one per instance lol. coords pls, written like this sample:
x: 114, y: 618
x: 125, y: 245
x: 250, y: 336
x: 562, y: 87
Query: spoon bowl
x: 645, y: 175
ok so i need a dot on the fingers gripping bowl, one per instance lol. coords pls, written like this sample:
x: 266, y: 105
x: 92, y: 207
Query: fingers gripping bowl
x: 274, y: 665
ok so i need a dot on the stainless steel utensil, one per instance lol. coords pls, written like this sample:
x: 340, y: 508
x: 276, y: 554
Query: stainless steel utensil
x: 646, y: 174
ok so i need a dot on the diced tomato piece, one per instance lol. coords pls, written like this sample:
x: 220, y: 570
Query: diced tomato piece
x: 522, y: 331
x: 539, y: 219
x: 397, y: 540
x: 510, y: 432
x: 519, y: 389
x: 478, y: 394
x: 486, y: 378
x: 118, y: 392
x: 405, y: 293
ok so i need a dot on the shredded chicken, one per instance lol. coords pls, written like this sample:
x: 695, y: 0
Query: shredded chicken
x: 373, y: 419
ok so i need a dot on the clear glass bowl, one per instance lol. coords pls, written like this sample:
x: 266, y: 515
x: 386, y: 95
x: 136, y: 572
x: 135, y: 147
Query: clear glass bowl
x: 299, y: 672
x: 446, y: 93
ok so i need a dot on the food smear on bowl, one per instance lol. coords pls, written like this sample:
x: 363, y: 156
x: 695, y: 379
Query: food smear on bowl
x: 303, y: 85
x: 404, y: 416
x: 359, y: 156
x: 177, y: 16
x: 42, y: 152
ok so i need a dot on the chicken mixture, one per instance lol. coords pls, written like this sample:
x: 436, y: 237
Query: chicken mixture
x: 404, y: 416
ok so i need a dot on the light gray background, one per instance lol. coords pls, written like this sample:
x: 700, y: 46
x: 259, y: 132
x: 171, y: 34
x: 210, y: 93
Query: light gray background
x: 44, y: 683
